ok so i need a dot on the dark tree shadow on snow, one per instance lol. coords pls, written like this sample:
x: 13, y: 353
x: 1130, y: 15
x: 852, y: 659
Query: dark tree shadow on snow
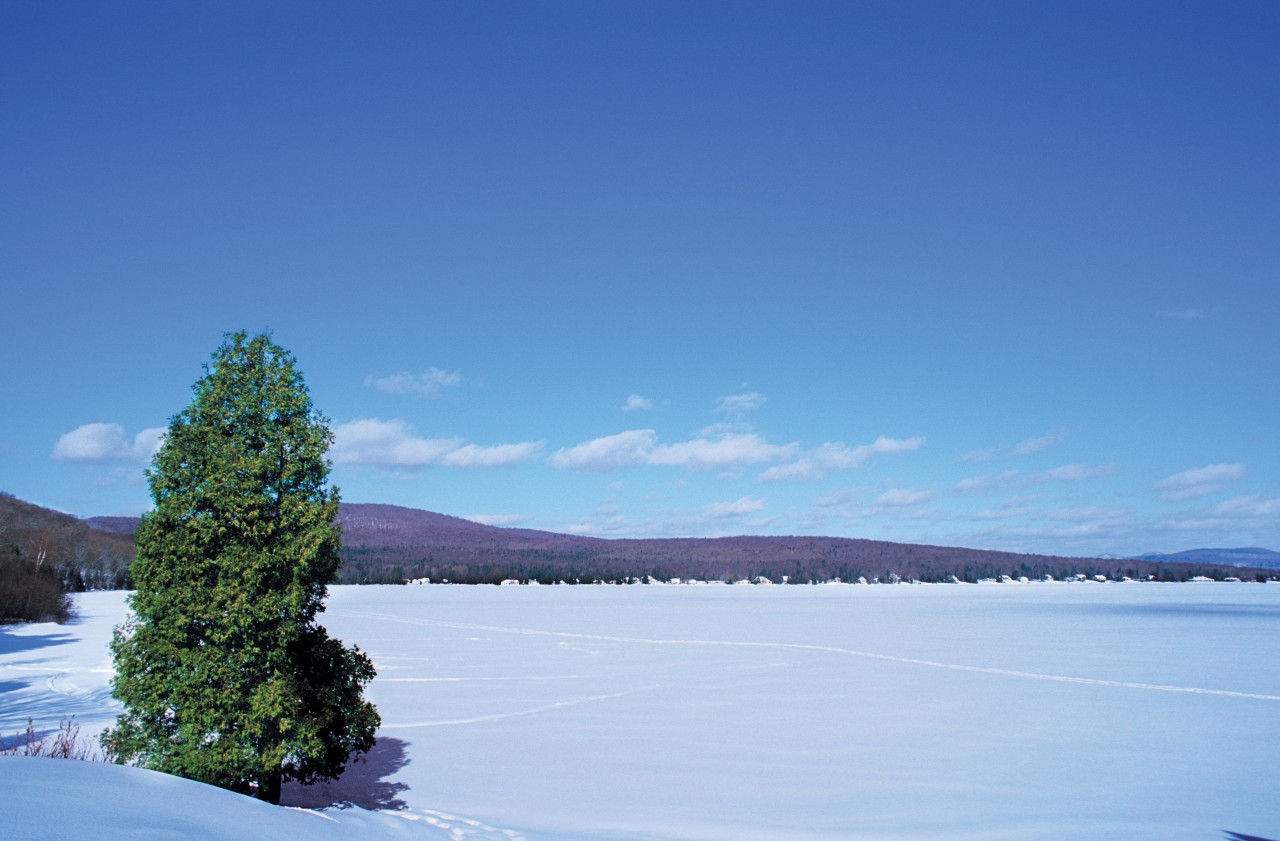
x: 12, y: 685
x: 13, y: 643
x: 365, y: 782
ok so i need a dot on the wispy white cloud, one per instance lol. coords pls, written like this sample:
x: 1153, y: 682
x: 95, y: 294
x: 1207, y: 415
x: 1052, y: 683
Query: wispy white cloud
x: 393, y: 444
x: 1198, y: 523
x: 896, y: 505
x: 1022, y: 448
x: 1237, y: 519
x: 1201, y: 475
x: 1249, y: 506
x: 1024, y: 523
x: 427, y: 384
x: 1088, y: 529
x: 816, y: 463
x: 737, y: 404
x: 1189, y: 314
x: 1012, y: 508
x: 709, y: 450
x: 840, y: 498
x: 1193, y: 492
x: 1199, y: 481
x: 903, y: 496
x: 606, y: 453
x: 1083, y: 514
x: 736, y: 508
x: 1038, y: 443
x: 637, y: 403
x: 497, y: 455
x: 1078, y: 472
x: 503, y: 520
x: 731, y: 449
x: 739, y: 516
x: 984, y: 454
x: 606, y: 526
x: 387, y: 444
x: 106, y: 442
x: 1004, y: 512
x: 1070, y: 538
x: 988, y: 481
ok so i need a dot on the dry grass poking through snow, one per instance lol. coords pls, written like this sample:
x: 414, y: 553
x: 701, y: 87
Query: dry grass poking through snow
x: 65, y: 743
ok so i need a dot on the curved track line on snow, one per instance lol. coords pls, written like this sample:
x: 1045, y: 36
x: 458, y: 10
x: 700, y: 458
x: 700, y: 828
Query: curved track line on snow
x: 458, y: 828
x: 481, y: 719
x: 478, y: 679
x: 829, y: 649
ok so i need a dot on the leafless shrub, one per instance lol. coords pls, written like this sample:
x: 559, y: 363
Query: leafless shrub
x: 65, y: 743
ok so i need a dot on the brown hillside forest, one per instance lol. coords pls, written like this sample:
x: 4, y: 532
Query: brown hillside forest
x: 387, y: 544
x: 45, y: 554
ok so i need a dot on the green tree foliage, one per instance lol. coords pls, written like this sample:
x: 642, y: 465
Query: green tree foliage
x: 224, y: 672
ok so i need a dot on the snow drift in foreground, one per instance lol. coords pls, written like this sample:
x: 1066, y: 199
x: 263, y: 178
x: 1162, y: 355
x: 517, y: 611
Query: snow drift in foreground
x: 46, y: 799
x: 895, y: 713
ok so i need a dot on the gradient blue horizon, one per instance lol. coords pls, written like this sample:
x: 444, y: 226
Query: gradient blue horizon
x: 995, y: 274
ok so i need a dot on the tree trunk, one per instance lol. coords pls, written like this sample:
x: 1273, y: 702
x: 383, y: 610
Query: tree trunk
x: 269, y: 788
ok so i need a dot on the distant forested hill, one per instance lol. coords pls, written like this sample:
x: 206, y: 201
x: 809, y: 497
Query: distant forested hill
x: 83, y: 557
x: 1249, y: 557
x: 391, y: 544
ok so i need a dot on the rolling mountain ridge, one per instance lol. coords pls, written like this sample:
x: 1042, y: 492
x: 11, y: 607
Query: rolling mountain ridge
x: 387, y: 542
x: 1245, y: 557
x: 391, y: 544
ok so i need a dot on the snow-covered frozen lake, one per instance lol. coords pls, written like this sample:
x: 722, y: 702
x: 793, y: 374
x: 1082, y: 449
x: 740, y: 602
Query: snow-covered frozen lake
x: 710, y: 713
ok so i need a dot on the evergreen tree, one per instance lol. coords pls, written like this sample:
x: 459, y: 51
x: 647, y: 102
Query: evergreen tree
x: 225, y: 674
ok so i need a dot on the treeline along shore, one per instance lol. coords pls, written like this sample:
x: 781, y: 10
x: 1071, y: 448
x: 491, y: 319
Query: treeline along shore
x: 387, y: 544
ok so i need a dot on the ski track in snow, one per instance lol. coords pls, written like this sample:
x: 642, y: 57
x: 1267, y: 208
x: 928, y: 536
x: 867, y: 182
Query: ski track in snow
x: 849, y: 652
x: 459, y: 829
x: 557, y: 705
x: 477, y: 679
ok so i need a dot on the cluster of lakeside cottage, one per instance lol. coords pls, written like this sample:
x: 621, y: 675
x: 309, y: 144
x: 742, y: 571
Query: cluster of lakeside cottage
x: 1079, y: 578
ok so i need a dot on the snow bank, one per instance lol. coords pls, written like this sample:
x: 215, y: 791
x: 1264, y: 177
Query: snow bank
x: 48, y: 799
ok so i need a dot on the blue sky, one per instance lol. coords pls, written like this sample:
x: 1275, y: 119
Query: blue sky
x: 989, y: 274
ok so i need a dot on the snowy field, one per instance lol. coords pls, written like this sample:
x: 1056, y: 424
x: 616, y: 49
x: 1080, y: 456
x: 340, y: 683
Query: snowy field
x: 713, y: 713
